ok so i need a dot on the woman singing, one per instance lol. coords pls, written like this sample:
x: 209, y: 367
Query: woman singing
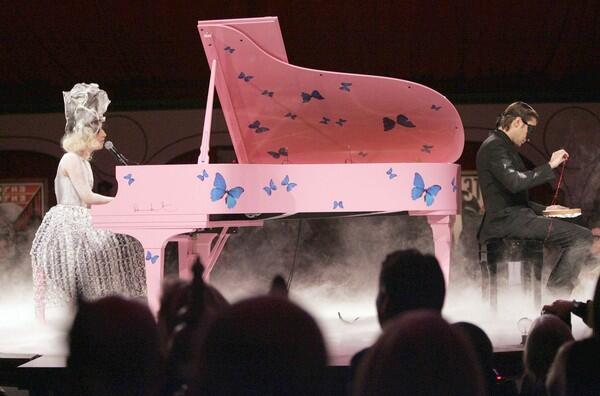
x: 69, y: 256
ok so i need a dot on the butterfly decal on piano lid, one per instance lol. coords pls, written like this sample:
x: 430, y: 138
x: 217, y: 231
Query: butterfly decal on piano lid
x: 229, y: 49
x: 362, y: 154
x: 270, y: 188
x: 282, y: 152
x: 291, y: 115
x: 203, y: 175
x: 150, y: 257
x: 129, y: 178
x: 338, y: 204
x: 313, y: 95
x: 267, y: 93
x: 390, y: 173
x: 245, y: 77
x: 341, y: 122
x: 419, y: 190
x: 453, y: 184
x: 345, y: 86
x: 426, y: 148
x: 325, y: 120
x: 256, y: 126
x: 434, y: 107
x: 401, y: 119
x: 220, y: 190
x: 289, y: 186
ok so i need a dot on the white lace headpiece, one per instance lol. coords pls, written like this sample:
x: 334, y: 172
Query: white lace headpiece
x: 85, y: 105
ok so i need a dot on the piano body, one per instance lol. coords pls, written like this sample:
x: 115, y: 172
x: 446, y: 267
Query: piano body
x: 308, y: 143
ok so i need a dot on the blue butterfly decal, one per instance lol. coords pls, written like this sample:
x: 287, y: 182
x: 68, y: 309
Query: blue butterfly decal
x: 129, y: 178
x: 362, y: 154
x: 258, y: 129
x: 291, y: 115
x: 314, y: 94
x: 390, y: 173
x: 338, y: 204
x: 276, y: 154
x: 203, y: 175
x: 267, y: 93
x: 229, y: 49
x: 419, y: 190
x: 220, y: 190
x: 286, y: 182
x: 150, y: 257
x: 436, y: 108
x: 453, y: 184
x: 245, y: 77
x: 325, y: 120
x: 341, y: 122
x: 270, y: 188
x: 401, y: 119
x: 345, y: 86
x: 426, y: 148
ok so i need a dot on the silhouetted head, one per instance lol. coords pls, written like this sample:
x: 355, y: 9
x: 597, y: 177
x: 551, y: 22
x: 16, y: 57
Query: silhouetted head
x: 263, y: 346
x: 419, y: 354
x: 409, y: 280
x: 482, y: 345
x: 113, y: 348
x: 575, y: 370
x: 548, y: 333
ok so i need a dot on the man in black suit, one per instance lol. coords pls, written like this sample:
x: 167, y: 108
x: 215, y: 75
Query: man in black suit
x: 504, y: 181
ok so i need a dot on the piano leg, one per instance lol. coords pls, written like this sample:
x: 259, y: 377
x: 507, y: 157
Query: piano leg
x: 154, y: 241
x: 442, y: 240
x: 154, y: 276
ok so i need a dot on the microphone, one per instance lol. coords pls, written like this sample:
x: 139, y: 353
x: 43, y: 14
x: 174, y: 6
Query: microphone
x: 111, y: 147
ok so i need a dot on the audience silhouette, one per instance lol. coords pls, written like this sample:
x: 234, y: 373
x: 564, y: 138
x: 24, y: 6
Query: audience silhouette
x: 114, y: 349
x: 419, y: 353
x: 268, y: 345
x: 408, y: 280
x: 262, y: 346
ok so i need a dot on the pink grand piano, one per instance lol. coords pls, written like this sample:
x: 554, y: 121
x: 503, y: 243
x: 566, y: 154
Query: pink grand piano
x: 308, y: 142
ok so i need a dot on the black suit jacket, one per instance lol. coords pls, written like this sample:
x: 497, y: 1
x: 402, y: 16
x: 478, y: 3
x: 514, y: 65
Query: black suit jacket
x: 504, y: 181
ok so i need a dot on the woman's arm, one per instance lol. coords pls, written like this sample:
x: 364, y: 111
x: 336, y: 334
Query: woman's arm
x: 74, y: 170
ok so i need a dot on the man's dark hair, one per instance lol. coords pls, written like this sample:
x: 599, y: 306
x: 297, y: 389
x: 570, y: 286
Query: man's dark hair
x: 412, y: 280
x: 514, y: 110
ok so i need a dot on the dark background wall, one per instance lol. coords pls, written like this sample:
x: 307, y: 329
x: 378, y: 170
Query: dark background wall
x: 148, y: 54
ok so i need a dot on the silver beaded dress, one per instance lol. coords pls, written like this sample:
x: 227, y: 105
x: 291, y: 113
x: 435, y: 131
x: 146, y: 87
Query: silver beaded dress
x: 69, y: 256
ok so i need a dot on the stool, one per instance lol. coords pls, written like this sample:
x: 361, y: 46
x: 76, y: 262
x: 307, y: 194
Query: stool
x: 494, y: 256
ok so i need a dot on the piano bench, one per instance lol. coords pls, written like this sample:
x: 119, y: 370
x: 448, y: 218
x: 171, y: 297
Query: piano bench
x: 494, y: 258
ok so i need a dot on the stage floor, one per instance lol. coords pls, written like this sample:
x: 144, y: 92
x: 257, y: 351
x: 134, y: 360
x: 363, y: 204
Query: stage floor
x: 42, y: 347
x: 20, y: 333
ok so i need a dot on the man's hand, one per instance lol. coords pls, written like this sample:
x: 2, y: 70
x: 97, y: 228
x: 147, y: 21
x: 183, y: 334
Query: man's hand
x: 560, y: 308
x: 558, y: 157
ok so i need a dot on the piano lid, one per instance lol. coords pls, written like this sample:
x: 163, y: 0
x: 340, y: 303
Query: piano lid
x: 277, y: 112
